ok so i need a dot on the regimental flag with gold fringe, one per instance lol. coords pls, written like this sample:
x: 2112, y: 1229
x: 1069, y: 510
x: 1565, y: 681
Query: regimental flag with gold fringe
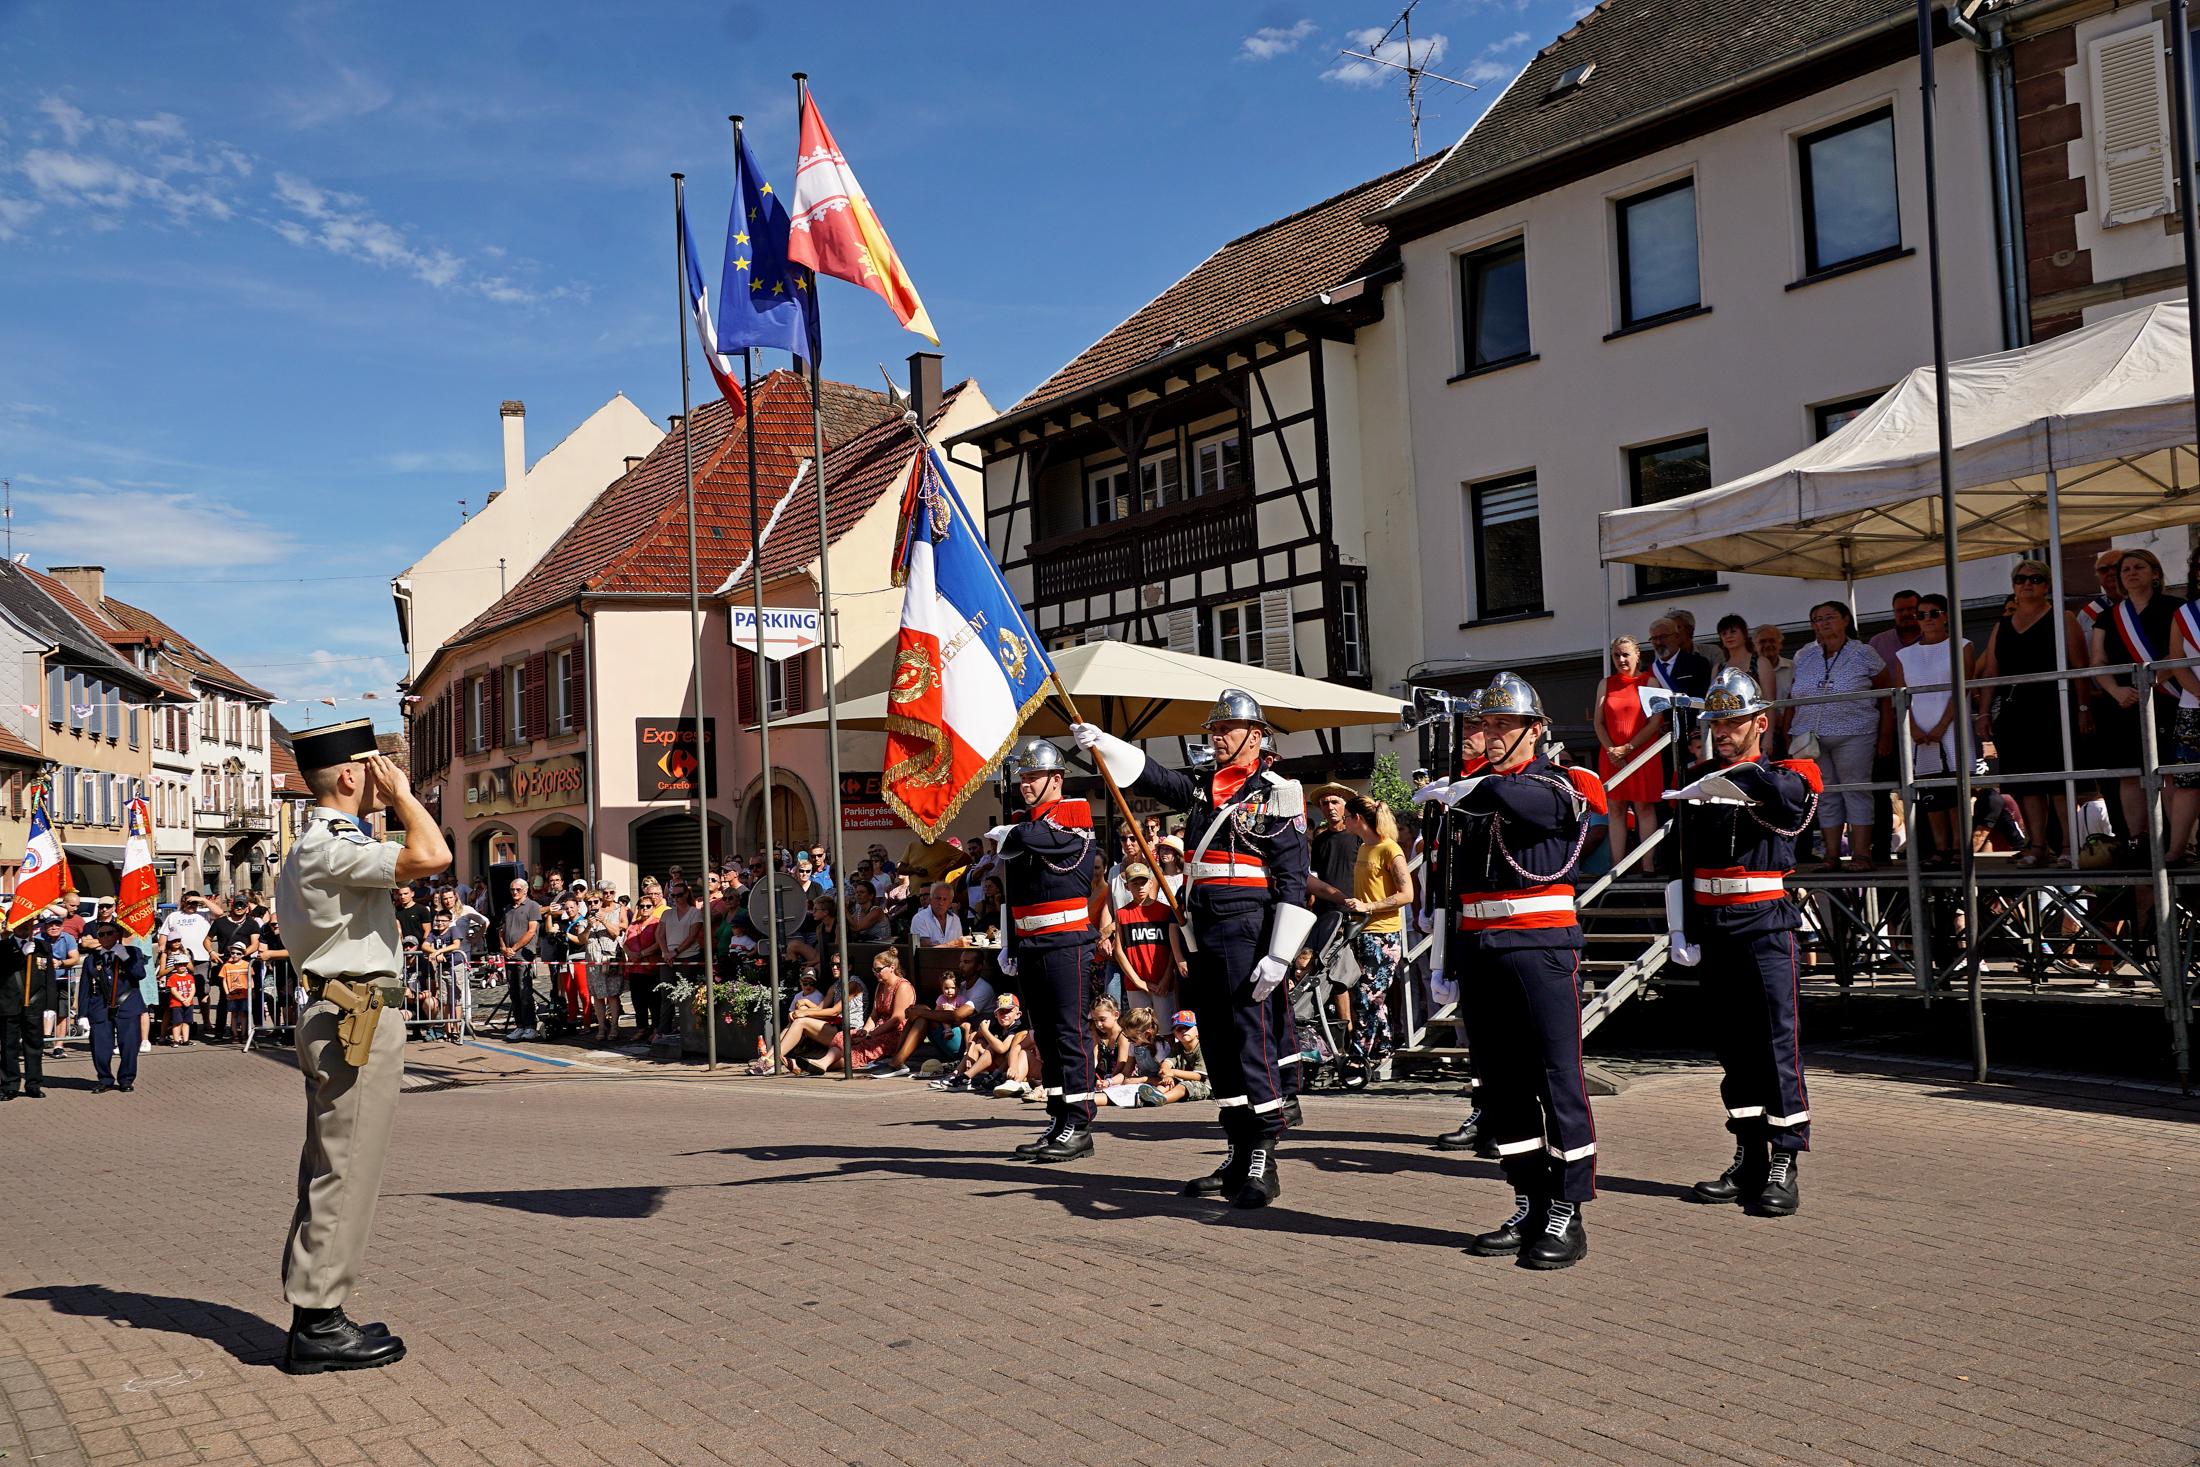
x: 43, y: 878
x: 836, y: 231
x: 967, y: 670
x: 139, y: 891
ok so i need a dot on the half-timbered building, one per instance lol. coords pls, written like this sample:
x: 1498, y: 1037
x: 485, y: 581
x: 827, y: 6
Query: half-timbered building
x: 1226, y: 471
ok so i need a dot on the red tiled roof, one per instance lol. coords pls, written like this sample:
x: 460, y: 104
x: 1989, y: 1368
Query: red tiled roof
x: 857, y: 473
x: 282, y: 764
x: 633, y: 539
x: 179, y: 649
x: 12, y: 747
x: 1320, y: 247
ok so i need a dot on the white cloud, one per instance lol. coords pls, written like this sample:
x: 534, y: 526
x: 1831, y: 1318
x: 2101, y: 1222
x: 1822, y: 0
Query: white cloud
x: 1271, y: 41
x: 1516, y: 39
x: 327, y: 674
x: 342, y: 224
x: 15, y: 214
x: 346, y: 94
x: 129, y: 529
x: 439, y: 461
x: 1353, y: 72
x: 104, y: 167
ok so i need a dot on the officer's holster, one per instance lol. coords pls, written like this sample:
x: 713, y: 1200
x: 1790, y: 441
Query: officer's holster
x: 361, y: 1006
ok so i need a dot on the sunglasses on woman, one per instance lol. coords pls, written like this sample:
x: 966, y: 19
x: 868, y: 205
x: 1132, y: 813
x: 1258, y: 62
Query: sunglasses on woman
x: 2028, y: 578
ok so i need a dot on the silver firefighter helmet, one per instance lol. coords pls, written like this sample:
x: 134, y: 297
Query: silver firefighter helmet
x: 1237, y: 706
x: 1733, y: 694
x: 1469, y: 705
x: 1510, y: 693
x: 1036, y: 756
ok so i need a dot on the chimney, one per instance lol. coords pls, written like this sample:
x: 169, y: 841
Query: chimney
x: 924, y: 384
x: 515, y: 445
x: 89, y: 582
x: 634, y: 461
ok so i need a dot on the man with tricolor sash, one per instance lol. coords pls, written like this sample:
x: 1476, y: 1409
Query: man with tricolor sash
x: 1740, y: 815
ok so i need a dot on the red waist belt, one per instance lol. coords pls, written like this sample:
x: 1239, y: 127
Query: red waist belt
x: 1509, y: 911
x: 1071, y: 915
x: 1219, y: 868
x: 1731, y: 886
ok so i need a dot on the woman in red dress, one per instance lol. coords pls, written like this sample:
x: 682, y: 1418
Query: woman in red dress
x: 1622, y: 732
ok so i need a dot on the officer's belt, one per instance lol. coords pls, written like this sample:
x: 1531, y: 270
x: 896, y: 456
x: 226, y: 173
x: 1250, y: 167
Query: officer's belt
x: 1732, y: 887
x: 1073, y: 913
x: 393, y: 992
x: 1543, y: 906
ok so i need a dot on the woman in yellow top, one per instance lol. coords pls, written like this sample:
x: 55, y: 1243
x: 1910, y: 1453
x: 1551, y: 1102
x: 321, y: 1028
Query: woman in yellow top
x: 1382, y: 888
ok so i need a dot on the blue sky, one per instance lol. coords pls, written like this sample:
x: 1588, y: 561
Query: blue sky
x: 266, y: 271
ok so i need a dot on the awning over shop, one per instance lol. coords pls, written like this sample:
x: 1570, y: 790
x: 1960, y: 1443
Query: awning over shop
x: 2108, y: 410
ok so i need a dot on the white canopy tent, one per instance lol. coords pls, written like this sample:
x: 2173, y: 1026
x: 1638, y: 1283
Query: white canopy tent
x: 2086, y: 436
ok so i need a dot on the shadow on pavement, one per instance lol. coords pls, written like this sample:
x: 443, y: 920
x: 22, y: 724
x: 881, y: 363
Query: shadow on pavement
x: 617, y: 1202
x: 251, y: 1339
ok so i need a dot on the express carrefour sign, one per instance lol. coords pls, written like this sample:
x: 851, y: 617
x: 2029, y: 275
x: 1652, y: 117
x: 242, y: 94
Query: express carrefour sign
x: 668, y: 756
x: 542, y: 784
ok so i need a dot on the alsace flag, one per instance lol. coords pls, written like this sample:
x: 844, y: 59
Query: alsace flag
x: 967, y: 670
x: 836, y: 231
x: 706, y: 329
x: 140, y: 882
x: 43, y: 878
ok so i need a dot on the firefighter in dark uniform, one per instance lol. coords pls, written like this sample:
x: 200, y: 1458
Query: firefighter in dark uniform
x: 108, y: 994
x: 1740, y: 815
x: 1047, y: 941
x: 26, y: 993
x: 1466, y: 711
x: 1245, y: 893
x: 1515, y: 833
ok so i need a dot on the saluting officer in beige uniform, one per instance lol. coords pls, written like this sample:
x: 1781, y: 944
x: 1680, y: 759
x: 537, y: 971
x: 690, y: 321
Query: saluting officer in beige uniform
x: 341, y: 927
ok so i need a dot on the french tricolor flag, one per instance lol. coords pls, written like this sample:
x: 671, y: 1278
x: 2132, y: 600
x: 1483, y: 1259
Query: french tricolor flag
x: 967, y: 670
x: 43, y: 878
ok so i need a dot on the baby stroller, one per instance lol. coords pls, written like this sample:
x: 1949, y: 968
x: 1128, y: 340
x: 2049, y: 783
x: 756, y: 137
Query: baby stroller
x: 1332, y: 971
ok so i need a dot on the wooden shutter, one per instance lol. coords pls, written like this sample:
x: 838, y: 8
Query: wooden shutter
x: 2131, y: 137
x: 795, y: 672
x: 1184, y: 630
x: 538, y: 696
x: 744, y: 687
x: 576, y: 685
x: 1278, y: 652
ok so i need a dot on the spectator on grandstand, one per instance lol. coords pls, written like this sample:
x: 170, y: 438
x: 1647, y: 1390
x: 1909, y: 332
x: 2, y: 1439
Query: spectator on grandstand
x: 814, y: 940
x: 1845, y: 732
x: 1922, y: 666
x: 1734, y: 649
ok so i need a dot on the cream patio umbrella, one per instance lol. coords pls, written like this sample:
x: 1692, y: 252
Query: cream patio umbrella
x: 1150, y: 692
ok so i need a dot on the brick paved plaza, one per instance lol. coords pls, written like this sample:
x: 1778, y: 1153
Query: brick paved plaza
x: 595, y: 1267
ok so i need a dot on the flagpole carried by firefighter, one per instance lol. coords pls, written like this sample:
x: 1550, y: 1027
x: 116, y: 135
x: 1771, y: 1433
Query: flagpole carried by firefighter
x: 695, y: 309
x: 42, y: 876
x: 1054, y: 681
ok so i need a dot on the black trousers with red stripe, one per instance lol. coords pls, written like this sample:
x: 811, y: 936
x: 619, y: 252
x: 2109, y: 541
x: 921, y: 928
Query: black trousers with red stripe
x: 1052, y: 981
x: 1238, y: 1037
x: 1535, y: 1100
x: 1750, y: 981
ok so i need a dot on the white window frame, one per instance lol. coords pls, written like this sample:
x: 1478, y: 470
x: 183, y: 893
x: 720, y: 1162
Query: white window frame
x: 775, y: 688
x: 1104, y: 489
x: 1352, y: 625
x: 477, y: 709
x: 1246, y: 644
x: 1210, y: 449
x: 515, y: 703
x: 1152, y: 493
x: 561, y: 691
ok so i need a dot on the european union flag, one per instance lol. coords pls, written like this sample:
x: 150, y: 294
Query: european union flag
x: 764, y: 299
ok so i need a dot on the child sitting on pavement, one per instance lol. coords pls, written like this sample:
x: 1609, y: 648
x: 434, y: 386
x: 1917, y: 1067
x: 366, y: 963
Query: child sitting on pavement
x: 1183, y: 1074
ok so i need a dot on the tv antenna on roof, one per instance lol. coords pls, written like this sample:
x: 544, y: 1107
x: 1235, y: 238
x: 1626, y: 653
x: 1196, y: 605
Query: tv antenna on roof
x: 1411, y: 66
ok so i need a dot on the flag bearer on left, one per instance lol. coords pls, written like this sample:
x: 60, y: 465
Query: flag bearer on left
x: 1047, y: 941
x: 26, y: 996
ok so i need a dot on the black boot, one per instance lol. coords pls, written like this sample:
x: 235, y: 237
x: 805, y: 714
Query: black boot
x: 1743, y: 1175
x: 1464, y: 1138
x: 1291, y: 1114
x: 1073, y: 1140
x: 1562, y: 1241
x: 1260, y: 1186
x: 1508, y: 1235
x: 323, y: 1339
x: 1782, y: 1192
x: 1224, y: 1180
x: 1045, y: 1138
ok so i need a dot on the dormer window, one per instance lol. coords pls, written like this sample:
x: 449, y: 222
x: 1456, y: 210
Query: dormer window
x: 1570, y: 80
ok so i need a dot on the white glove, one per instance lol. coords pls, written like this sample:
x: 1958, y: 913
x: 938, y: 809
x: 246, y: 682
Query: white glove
x: 1712, y: 789
x: 1459, y: 789
x: 1007, y: 965
x: 1125, y: 762
x: 1268, y: 976
x: 999, y: 833
x: 1085, y: 735
x: 1684, y: 952
x: 1431, y: 791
